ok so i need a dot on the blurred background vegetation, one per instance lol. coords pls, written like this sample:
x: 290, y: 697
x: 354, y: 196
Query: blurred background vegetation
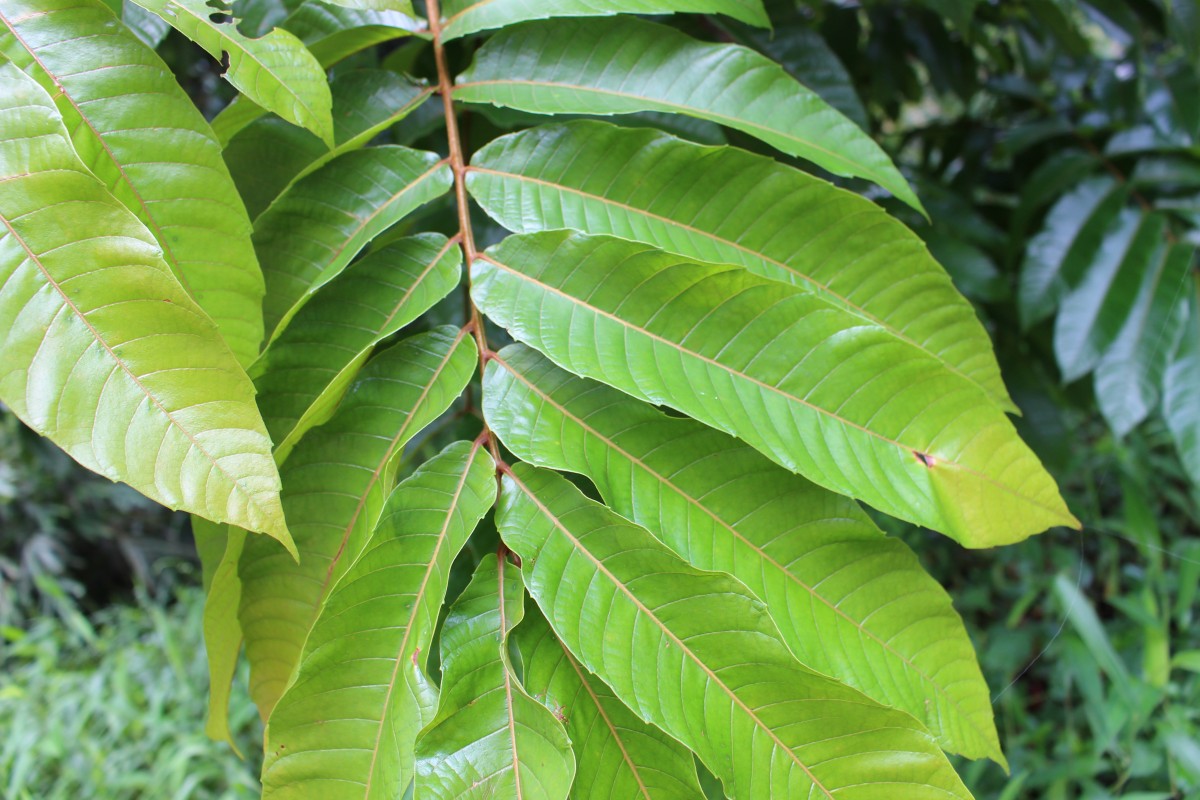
x: 1056, y: 144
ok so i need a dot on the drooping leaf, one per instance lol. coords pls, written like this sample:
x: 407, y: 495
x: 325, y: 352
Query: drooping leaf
x: 694, y: 653
x: 490, y: 739
x: 848, y: 601
x: 461, y: 17
x: 804, y: 382
x: 1096, y: 309
x: 1130, y: 373
x: 1181, y: 387
x: 104, y: 351
x: 1057, y: 257
x: 776, y: 221
x: 623, y: 65
x: 616, y: 754
x: 139, y: 133
x: 222, y: 633
x: 334, y: 488
x: 275, y: 71
x: 312, y: 231
x: 304, y: 373
x: 347, y: 725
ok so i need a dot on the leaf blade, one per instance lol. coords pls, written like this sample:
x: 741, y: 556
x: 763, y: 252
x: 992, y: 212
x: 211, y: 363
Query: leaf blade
x: 463, y: 17
x: 649, y: 67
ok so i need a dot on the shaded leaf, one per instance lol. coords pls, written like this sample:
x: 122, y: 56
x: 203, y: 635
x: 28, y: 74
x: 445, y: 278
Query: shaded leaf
x: 346, y: 727
x: 332, y: 33
x: 1096, y: 309
x: 104, y: 352
x: 803, y: 382
x: 139, y: 133
x: 1130, y: 373
x: 776, y: 221
x: 313, y: 230
x: 461, y: 17
x: 275, y: 71
x: 1181, y: 387
x: 616, y: 754
x: 694, y: 653
x: 490, y: 739
x: 849, y: 602
x: 334, y: 488
x: 623, y: 65
x: 304, y: 373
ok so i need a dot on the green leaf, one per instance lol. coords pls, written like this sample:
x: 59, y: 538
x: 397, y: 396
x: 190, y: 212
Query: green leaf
x: 304, y: 373
x: 334, y: 487
x: 616, y: 754
x: 150, y: 28
x: 104, y: 352
x: 1181, y: 387
x: 139, y: 133
x: 694, y: 653
x: 807, y: 384
x: 1130, y: 373
x: 849, y: 602
x: 1057, y: 258
x: 399, y: 6
x: 490, y: 739
x: 347, y: 725
x: 776, y: 221
x: 313, y: 230
x: 461, y: 17
x: 1096, y: 310
x: 265, y: 156
x: 222, y: 633
x: 275, y: 71
x: 623, y: 65
x: 332, y: 33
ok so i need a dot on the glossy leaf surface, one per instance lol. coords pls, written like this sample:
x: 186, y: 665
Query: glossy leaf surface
x: 305, y: 371
x: 696, y: 654
x: 776, y: 221
x: 798, y: 379
x: 469, y: 16
x: 314, y: 229
x: 334, y: 490
x: 624, y: 65
x: 490, y: 739
x: 346, y: 727
x: 1181, y: 387
x: 616, y: 754
x: 139, y: 133
x: 275, y: 71
x: 95, y: 328
x: 848, y: 601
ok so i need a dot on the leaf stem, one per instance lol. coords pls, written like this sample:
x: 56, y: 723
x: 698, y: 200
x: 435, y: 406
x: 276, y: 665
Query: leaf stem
x: 458, y: 166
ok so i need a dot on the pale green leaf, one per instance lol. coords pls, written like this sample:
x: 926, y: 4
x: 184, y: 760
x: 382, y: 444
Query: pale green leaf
x: 776, y: 221
x: 490, y: 739
x: 696, y: 654
x: 1056, y: 259
x: 347, y: 725
x: 304, y: 373
x: 624, y: 65
x: 461, y: 17
x: 313, y: 230
x: 1130, y: 372
x: 139, y: 133
x: 222, y: 633
x: 275, y: 71
x: 849, y: 602
x: 616, y: 754
x: 104, y: 351
x: 1095, y: 310
x: 804, y: 382
x: 334, y: 488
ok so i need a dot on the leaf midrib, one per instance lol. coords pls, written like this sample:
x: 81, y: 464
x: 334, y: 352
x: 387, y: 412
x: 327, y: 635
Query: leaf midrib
x: 578, y: 545
x: 943, y: 461
x: 736, y: 534
x: 821, y: 287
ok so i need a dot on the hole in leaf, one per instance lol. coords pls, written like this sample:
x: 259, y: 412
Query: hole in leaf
x: 224, y: 61
x: 220, y: 18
